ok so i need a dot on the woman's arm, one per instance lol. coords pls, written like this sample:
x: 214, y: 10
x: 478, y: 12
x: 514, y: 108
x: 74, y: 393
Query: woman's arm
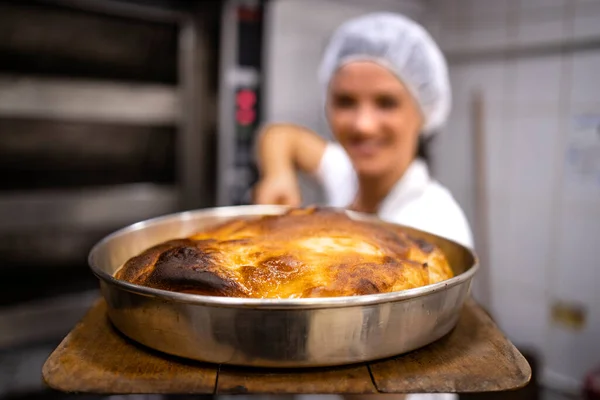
x: 289, y: 147
x: 282, y: 150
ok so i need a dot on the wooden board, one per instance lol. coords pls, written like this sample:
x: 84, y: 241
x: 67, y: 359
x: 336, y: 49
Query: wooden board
x: 353, y: 379
x: 474, y: 357
x: 94, y: 358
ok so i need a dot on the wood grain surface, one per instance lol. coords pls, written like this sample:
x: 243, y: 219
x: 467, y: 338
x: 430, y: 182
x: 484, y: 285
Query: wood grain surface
x: 95, y: 358
x: 474, y: 357
x: 352, y: 379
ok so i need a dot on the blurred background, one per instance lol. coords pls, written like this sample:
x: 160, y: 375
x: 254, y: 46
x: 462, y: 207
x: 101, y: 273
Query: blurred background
x: 115, y: 111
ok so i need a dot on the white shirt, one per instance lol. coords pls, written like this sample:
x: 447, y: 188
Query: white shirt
x: 416, y: 200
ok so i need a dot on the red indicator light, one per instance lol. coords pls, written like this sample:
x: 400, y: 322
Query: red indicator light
x: 246, y: 99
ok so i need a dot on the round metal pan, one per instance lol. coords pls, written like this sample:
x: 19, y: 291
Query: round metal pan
x: 310, y: 332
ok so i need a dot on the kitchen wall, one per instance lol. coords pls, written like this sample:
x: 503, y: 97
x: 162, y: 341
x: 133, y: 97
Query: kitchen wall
x: 536, y: 65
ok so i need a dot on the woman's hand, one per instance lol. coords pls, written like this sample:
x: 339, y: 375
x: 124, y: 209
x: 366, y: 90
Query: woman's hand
x: 282, y: 150
x: 282, y: 189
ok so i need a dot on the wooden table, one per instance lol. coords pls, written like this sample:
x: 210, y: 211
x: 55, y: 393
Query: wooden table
x: 474, y: 357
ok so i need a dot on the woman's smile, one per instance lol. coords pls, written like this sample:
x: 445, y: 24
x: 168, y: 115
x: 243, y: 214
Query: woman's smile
x: 366, y: 147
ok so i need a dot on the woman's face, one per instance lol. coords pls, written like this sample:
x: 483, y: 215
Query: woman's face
x: 374, y: 117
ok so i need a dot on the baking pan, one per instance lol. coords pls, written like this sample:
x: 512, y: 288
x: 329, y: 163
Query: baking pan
x: 286, y: 333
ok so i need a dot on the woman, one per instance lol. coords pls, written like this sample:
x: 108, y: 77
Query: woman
x: 386, y: 90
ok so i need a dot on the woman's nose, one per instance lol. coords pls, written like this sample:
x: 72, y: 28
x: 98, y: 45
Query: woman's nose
x: 365, y: 122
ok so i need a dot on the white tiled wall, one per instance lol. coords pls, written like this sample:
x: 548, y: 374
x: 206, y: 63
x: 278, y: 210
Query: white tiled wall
x: 537, y: 86
x: 521, y: 312
x: 585, y: 25
x: 544, y: 244
x: 542, y: 22
x: 543, y: 234
x: 578, y: 275
x: 585, y: 87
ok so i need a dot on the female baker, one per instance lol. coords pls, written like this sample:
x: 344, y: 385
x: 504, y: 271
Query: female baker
x: 386, y: 90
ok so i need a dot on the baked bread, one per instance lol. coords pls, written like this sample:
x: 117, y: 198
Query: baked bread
x: 306, y: 252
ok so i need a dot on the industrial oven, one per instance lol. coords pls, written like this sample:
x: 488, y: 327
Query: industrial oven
x: 112, y: 112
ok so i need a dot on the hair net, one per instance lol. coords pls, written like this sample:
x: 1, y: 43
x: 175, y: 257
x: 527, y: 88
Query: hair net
x: 404, y: 47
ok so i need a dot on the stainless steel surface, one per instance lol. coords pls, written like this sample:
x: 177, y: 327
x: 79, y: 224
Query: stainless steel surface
x: 75, y: 219
x: 226, y: 122
x: 85, y: 208
x: 28, y: 322
x: 192, y: 142
x: 235, y: 173
x: 119, y: 8
x: 273, y: 332
x: 88, y: 100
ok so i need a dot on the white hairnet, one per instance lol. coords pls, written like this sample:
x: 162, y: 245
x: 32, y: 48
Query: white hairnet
x: 404, y: 47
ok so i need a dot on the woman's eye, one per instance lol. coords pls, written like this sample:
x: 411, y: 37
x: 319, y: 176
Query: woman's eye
x: 386, y: 102
x: 343, y: 101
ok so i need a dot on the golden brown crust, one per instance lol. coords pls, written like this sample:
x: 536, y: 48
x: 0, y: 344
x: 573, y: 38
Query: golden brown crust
x: 307, y: 252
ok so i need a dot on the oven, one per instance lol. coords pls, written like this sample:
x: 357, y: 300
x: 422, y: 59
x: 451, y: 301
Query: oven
x: 108, y: 116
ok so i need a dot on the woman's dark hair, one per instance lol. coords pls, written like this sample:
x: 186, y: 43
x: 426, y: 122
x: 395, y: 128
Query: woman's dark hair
x: 424, y: 147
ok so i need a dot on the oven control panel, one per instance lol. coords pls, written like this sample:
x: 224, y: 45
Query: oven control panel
x: 241, y: 100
